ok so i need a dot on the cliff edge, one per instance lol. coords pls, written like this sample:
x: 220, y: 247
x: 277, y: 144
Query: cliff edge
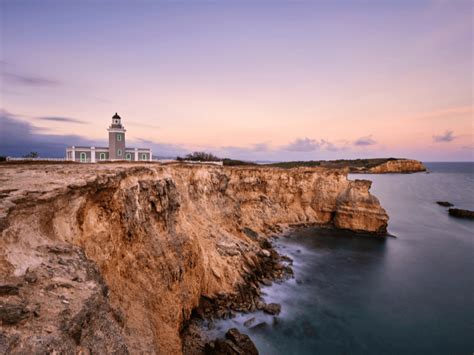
x: 114, y: 257
x: 403, y: 166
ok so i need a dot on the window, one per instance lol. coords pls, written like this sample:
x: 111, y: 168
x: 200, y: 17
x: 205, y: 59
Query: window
x: 119, y: 152
x: 102, y: 156
x: 116, y: 121
x: 128, y: 156
x: 83, y: 157
x: 144, y: 157
x: 119, y: 137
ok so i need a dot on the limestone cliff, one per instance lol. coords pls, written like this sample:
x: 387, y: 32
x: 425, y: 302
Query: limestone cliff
x: 398, y: 166
x: 115, y: 257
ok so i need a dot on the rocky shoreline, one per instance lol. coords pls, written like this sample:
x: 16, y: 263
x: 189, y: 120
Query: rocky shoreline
x: 270, y: 267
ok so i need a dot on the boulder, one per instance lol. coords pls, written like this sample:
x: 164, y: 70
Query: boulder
x: 7, y: 289
x: 272, y: 308
x: 12, y: 312
x: 234, y: 343
x: 250, y: 233
x: 444, y: 203
x: 249, y: 322
x: 460, y: 213
x: 30, y: 276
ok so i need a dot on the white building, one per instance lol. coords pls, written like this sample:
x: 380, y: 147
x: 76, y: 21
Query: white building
x: 115, y: 151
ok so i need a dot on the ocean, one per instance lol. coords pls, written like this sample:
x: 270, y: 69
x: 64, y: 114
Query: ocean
x: 413, y: 294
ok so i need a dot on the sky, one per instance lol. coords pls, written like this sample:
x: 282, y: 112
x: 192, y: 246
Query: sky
x: 254, y: 80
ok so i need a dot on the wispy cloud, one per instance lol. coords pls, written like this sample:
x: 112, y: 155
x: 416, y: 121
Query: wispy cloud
x: 310, y: 145
x: 446, y: 137
x: 260, y: 147
x: 60, y: 119
x: 29, y: 80
x: 303, y: 145
x: 365, y: 141
x: 18, y: 137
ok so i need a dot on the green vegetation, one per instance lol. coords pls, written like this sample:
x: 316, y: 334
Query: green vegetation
x: 354, y: 164
x: 203, y: 156
x: 295, y: 164
x: 199, y: 156
x: 3, y: 158
x: 31, y: 155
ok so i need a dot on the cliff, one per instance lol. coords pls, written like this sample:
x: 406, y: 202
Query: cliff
x: 115, y: 257
x: 366, y: 166
x: 397, y: 166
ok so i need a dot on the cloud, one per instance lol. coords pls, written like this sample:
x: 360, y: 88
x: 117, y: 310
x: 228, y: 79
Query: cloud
x: 327, y: 145
x: 161, y: 150
x: 365, y: 141
x: 446, y: 137
x: 60, y: 119
x: 260, y: 147
x: 18, y: 137
x: 303, y: 145
x: 310, y: 145
x: 29, y: 80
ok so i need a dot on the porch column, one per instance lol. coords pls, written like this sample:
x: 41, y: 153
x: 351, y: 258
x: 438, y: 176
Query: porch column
x: 73, y: 153
x: 151, y: 155
x: 136, y: 154
x: 92, y: 154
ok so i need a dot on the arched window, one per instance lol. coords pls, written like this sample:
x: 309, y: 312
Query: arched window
x: 102, y: 156
x: 83, y: 157
x: 128, y: 156
x: 119, y: 137
x: 119, y: 152
x: 143, y: 156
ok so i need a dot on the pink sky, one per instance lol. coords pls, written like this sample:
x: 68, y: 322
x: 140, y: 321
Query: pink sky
x: 260, y: 81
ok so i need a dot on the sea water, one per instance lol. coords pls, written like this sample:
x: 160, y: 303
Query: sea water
x: 413, y: 294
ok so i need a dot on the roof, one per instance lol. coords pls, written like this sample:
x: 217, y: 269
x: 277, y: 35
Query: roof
x: 116, y: 116
x: 78, y: 147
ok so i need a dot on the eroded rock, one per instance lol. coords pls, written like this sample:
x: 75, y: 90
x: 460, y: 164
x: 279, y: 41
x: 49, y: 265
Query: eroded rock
x: 13, y: 311
x: 272, y: 308
x: 234, y: 343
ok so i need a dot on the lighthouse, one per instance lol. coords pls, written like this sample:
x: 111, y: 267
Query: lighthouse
x: 116, y: 139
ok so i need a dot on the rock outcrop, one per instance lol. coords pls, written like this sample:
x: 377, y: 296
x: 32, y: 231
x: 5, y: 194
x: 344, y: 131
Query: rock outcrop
x: 403, y: 166
x: 445, y: 203
x: 114, y: 258
x: 234, y: 343
x: 460, y: 213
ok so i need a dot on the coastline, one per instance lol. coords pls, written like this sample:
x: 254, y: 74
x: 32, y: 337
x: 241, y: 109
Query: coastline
x: 185, y: 233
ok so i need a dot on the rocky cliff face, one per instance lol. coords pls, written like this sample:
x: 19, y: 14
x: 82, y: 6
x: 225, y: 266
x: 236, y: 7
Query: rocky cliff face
x: 115, y: 257
x: 398, y: 166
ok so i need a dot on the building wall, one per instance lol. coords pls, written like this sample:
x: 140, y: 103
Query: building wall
x: 115, y: 145
x: 130, y: 152
x: 78, y: 155
x: 97, y: 155
x: 143, y: 155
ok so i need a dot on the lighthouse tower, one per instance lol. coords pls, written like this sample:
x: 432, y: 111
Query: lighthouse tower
x: 116, y: 139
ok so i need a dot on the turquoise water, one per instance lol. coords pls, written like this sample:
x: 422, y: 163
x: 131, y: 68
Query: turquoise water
x: 407, y: 295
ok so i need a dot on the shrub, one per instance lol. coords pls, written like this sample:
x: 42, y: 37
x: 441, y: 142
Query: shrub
x: 199, y: 156
x: 31, y: 155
